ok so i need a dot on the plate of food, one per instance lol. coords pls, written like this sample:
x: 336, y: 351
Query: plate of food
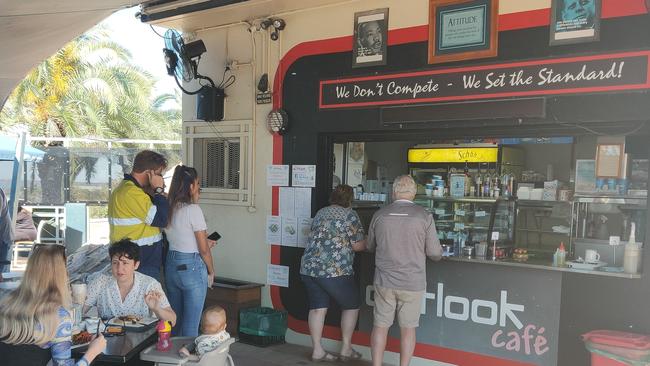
x: 113, y: 330
x: 132, y: 322
x: 81, y: 339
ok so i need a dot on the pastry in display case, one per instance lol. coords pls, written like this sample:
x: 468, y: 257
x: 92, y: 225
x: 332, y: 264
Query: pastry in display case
x: 462, y: 222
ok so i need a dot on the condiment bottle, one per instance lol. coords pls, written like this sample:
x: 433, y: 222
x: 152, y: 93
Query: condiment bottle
x: 632, y: 254
x: 561, y: 252
x: 164, y: 329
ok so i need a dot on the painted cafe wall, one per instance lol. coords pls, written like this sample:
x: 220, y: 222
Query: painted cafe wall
x: 311, y: 69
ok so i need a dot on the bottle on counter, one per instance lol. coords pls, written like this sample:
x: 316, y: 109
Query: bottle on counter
x: 164, y: 329
x: 632, y: 253
x: 468, y: 180
x: 559, y: 258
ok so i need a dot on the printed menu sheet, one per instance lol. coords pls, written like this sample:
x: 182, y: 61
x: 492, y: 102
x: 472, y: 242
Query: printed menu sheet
x: 277, y: 175
x: 303, y: 176
x: 289, y: 231
x: 294, y: 222
x: 304, y: 229
x: 274, y: 229
x: 287, y: 201
x: 295, y: 202
x: 277, y: 275
x: 302, y: 202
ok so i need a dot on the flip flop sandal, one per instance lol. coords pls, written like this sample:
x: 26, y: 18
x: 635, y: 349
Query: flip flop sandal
x: 353, y: 356
x: 327, y: 357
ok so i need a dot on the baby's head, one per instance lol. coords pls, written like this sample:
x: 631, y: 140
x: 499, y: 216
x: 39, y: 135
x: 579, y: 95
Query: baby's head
x: 213, y: 320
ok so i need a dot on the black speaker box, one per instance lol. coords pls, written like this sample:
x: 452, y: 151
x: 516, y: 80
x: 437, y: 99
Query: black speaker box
x: 209, y: 104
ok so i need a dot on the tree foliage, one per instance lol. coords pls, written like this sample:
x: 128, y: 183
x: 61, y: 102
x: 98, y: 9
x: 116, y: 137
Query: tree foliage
x: 92, y: 88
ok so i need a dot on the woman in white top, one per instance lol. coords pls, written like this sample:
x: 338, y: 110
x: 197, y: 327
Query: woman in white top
x: 189, y: 270
x: 126, y: 292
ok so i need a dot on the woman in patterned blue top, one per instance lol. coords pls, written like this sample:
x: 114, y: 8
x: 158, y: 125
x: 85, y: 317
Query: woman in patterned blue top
x: 35, y: 324
x: 326, y: 270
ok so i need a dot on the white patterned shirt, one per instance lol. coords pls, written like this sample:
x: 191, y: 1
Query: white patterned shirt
x: 209, y: 342
x: 104, y: 293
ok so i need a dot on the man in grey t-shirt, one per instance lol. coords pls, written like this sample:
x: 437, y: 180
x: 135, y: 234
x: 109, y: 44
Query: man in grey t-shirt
x: 403, y: 235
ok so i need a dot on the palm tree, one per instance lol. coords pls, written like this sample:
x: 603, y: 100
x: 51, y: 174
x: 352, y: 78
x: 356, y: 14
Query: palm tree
x: 89, y: 88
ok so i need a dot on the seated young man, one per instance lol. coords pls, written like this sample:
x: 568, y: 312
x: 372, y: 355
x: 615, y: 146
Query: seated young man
x: 213, y: 334
x: 126, y: 292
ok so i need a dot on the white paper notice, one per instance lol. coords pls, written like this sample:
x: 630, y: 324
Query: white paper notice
x: 277, y: 175
x: 287, y: 202
x: 304, y: 228
x: 277, y: 275
x: 355, y: 174
x: 274, y: 230
x: 289, y: 231
x: 303, y: 176
x: 302, y: 202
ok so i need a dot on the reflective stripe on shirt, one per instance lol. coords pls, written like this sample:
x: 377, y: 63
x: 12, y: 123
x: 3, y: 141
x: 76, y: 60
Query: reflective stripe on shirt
x: 150, y: 215
x: 124, y: 222
x: 149, y: 240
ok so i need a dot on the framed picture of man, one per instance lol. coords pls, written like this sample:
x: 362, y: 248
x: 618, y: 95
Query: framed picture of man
x: 370, y: 37
x: 574, y: 21
x: 462, y: 30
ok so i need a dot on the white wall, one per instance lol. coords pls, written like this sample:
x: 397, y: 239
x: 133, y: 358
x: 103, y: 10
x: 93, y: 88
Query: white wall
x: 242, y: 252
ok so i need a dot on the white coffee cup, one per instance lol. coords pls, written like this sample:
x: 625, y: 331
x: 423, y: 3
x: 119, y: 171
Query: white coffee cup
x: 592, y: 256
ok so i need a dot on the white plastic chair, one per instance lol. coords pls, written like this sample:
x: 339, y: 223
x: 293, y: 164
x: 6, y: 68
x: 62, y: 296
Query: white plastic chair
x: 218, y: 357
x: 18, y: 248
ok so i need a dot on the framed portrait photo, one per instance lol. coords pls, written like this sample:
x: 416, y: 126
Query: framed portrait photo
x: 574, y: 21
x: 609, y: 160
x: 370, y: 38
x: 462, y: 30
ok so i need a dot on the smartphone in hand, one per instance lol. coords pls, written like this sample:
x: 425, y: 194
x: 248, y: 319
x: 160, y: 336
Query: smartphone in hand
x: 214, y: 236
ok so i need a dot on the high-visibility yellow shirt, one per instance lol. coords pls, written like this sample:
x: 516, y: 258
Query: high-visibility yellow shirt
x: 130, y: 214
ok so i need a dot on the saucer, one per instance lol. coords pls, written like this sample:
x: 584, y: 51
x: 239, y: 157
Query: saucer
x: 595, y: 262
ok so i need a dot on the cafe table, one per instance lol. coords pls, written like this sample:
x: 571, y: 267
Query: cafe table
x: 123, y: 349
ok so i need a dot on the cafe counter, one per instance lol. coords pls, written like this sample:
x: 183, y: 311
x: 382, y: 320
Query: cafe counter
x: 541, y: 264
x: 526, y: 312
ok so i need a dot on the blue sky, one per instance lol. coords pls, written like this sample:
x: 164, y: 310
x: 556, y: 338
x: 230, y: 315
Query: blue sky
x: 145, y: 45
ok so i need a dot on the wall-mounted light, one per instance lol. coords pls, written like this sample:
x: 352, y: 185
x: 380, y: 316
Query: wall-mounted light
x: 276, y: 24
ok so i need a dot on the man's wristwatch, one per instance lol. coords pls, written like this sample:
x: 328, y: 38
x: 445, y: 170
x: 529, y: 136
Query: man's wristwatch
x: 158, y: 190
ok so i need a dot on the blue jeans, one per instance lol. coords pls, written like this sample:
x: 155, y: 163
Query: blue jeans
x: 186, y: 279
x: 6, y: 254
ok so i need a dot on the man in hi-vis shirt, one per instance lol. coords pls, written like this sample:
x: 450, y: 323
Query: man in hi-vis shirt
x: 138, y: 208
x: 403, y: 236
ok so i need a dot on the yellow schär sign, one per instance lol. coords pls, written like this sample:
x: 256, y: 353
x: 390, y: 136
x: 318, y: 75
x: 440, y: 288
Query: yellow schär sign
x: 454, y: 155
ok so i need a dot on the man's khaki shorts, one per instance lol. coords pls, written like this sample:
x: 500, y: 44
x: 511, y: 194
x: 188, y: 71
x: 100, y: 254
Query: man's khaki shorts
x: 407, y: 304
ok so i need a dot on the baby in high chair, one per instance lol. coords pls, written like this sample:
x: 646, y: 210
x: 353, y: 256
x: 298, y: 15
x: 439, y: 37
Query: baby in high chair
x: 213, y: 333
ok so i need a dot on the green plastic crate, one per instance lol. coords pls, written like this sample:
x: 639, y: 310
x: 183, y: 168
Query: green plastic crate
x: 263, y: 321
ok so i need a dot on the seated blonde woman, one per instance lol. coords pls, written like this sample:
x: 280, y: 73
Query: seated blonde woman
x: 126, y: 292
x: 35, y: 320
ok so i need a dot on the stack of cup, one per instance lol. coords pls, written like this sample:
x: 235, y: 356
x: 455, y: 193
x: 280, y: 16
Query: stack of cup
x: 79, y: 293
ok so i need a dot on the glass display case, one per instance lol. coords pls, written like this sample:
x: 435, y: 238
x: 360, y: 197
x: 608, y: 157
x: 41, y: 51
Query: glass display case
x: 600, y: 222
x: 543, y: 225
x: 462, y: 222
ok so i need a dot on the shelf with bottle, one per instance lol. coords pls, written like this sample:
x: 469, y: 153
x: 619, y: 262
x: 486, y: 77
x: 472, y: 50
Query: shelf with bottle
x: 462, y: 199
x: 620, y: 200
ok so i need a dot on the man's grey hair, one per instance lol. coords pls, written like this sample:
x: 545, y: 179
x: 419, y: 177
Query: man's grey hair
x: 404, y: 185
